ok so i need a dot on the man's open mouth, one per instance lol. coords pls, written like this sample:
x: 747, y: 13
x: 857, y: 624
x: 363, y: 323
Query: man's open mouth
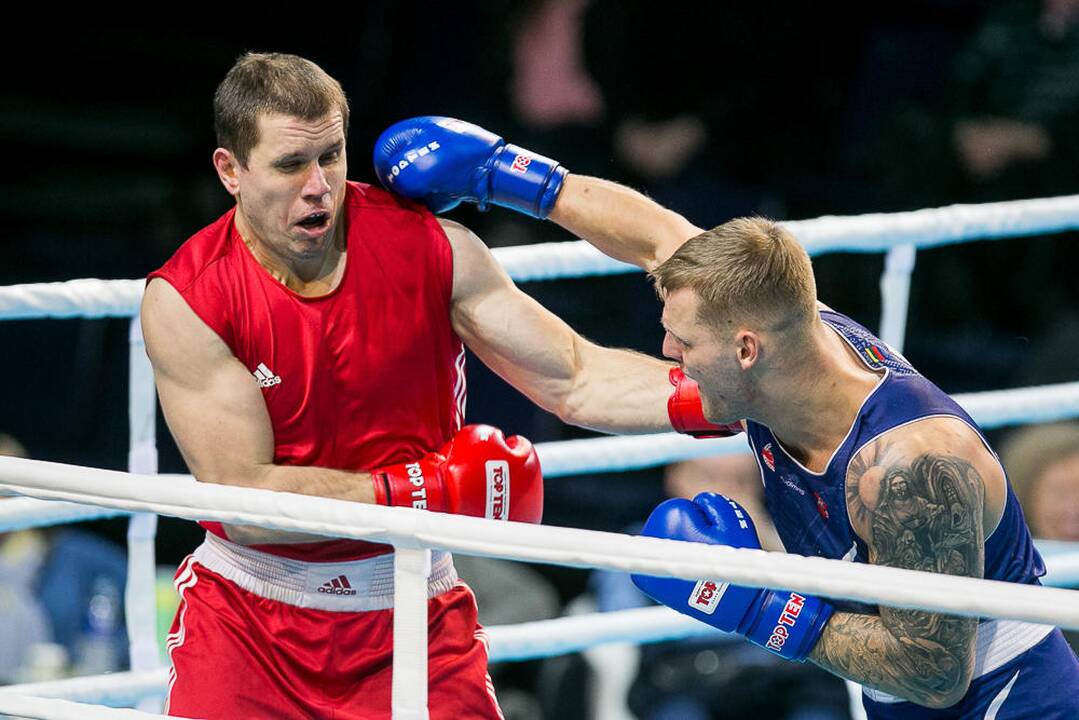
x: 315, y: 220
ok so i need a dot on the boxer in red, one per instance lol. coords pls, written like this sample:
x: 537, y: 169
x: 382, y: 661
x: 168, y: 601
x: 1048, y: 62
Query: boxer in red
x: 311, y: 340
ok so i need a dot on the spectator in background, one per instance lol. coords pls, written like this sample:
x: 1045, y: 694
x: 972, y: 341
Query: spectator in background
x: 999, y: 125
x: 23, y: 621
x: 1043, y: 464
x: 1016, y: 99
x: 62, y: 586
x: 550, y: 86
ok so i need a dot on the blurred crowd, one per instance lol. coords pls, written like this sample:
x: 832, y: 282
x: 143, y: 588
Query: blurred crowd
x: 786, y: 109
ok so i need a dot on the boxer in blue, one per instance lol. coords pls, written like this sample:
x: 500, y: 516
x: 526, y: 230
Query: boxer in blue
x: 861, y: 457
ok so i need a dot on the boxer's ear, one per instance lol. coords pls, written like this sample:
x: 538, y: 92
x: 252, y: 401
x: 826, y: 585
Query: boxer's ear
x: 228, y: 167
x: 747, y: 347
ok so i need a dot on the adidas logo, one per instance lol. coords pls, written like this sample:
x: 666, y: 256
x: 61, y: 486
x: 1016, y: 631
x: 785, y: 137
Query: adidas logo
x: 265, y: 376
x: 338, y: 586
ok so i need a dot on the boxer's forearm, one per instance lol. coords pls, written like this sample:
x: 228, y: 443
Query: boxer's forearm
x: 321, y: 482
x: 926, y: 658
x: 620, y: 222
x: 618, y: 391
x: 304, y: 480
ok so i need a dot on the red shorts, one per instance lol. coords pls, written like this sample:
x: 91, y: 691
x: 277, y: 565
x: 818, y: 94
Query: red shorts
x: 236, y: 654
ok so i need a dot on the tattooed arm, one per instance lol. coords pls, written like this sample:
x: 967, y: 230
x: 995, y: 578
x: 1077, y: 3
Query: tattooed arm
x: 917, y: 497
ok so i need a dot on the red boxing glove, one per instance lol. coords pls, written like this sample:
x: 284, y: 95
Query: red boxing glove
x: 479, y: 472
x: 686, y: 413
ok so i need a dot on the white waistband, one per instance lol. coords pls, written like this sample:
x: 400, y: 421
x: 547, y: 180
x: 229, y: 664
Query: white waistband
x: 999, y: 642
x: 355, y: 586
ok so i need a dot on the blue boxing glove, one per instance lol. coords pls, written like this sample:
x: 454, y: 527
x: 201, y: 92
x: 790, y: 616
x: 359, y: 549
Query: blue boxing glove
x: 442, y: 161
x: 787, y: 623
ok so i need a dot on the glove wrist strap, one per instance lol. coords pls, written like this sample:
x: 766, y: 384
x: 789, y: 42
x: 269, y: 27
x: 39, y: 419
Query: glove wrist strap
x: 412, y: 484
x: 788, y: 624
x: 525, y: 181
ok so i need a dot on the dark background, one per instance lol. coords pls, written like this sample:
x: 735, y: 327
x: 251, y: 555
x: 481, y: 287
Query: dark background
x: 797, y: 112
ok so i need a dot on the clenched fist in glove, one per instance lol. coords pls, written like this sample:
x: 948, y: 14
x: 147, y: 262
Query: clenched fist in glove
x: 787, y: 623
x: 441, y: 162
x: 686, y: 412
x: 478, y: 472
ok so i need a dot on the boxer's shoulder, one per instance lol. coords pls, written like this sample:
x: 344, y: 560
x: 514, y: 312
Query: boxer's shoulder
x: 202, y: 251
x: 359, y: 195
x: 947, y: 434
x: 911, y: 472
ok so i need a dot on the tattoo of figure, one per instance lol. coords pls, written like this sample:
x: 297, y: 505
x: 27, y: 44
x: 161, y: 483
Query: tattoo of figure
x: 925, y: 514
x: 926, y: 517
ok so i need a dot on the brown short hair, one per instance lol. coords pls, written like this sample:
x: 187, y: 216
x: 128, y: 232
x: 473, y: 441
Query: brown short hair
x: 271, y: 83
x: 745, y: 268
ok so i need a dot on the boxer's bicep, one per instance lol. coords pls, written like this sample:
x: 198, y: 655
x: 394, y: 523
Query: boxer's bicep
x: 582, y: 383
x: 211, y: 403
x: 916, y: 497
x: 526, y: 344
x: 917, y: 500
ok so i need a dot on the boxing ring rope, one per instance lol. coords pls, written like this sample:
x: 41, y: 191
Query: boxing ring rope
x: 523, y: 641
x: 897, y: 234
x: 872, y: 232
x: 24, y: 706
x: 407, y: 528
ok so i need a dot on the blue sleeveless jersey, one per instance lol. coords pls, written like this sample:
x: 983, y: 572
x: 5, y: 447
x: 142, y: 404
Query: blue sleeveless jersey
x: 810, y: 510
x: 1019, y: 667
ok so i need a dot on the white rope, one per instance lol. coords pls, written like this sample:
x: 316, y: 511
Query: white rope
x: 1062, y: 571
x: 52, y: 709
x: 533, y: 543
x: 630, y: 452
x: 990, y: 410
x: 25, y: 512
x: 140, y: 594
x: 74, y: 298
x: 1021, y: 406
x: 117, y: 689
x: 508, y: 643
x: 875, y: 232
x: 524, y: 641
x: 931, y: 227
x: 20, y: 513
x: 561, y: 636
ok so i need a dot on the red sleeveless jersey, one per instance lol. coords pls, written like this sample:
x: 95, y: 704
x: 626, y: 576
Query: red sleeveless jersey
x: 370, y: 374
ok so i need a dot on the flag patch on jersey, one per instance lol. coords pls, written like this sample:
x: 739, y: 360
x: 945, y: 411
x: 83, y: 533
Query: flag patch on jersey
x: 768, y: 457
x: 822, y: 507
x: 874, y: 354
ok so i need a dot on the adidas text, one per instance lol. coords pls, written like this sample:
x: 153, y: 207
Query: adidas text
x: 265, y: 377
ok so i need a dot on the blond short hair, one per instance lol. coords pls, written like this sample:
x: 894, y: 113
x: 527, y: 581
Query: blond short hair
x: 745, y: 269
